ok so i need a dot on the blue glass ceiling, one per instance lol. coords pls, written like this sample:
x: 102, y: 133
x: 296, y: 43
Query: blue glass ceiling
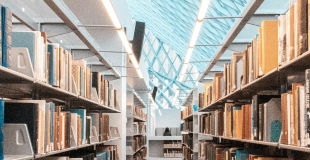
x: 173, y: 21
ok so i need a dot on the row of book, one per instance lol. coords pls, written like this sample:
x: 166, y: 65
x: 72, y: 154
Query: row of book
x: 187, y: 126
x: 139, y: 113
x: 188, y: 111
x: 187, y: 139
x: 172, y: 144
x: 265, y: 118
x: 277, y: 42
x: 51, y: 127
x: 173, y: 153
x: 139, y: 128
x: 108, y: 152
x: 50, y: 63
x: 215, y: 151
x: 187, y: 153
x: 141, y: 154
x: 138, y: 142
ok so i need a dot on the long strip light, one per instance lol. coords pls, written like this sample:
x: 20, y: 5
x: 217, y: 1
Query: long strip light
x: 110, y: 9
x: 201, y: 15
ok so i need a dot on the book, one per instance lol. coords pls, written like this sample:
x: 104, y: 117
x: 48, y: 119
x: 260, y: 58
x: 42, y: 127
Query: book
x: 76, y: 72
x: 74, y: 127
x: 6, y: 28
x: 282, y: 39
x: 96, y: 83
x: 82, y: 114
x: 269, y: 45
x: 27, y: 113
x: 53, y: 53
x: 295, y: 111
x: 307, y: 104
x: 82, y: 85
x: 272, y: 120
x: 290, y: 31
x: 61, y: 68
x: 284, y: 112
x: 301, y: 37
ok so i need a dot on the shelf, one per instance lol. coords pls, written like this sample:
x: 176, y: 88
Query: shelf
x: 186, y: 132
x: 163, y: 138
x: 22, y: 86
x: 190, y: 117
x: 20, y: 157
x: 138, y: 101
x: 142, y: 134
x: 137, y: 119
x: 269, y: 81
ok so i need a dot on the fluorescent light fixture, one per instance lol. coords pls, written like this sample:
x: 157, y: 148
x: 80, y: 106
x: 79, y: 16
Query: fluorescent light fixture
x: 159, y: 112
x: 188, y: 55
x: 203, y: 9
x: 181, y: 78
x: 139, y: 73
x: 109, y: 7
x: 123, y: 37
x: 195, y: 34
x: 134, y: 61
x: 183, y: 71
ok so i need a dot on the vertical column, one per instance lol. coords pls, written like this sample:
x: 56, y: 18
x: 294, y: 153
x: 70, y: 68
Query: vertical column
x: 195, y: 123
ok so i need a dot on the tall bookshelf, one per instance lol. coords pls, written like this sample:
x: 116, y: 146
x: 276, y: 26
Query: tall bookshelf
x: 277, y: 81
x: 134, y: 100
x: 66, y: 29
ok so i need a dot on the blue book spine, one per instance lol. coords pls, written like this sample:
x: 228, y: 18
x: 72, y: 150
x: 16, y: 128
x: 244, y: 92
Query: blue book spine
x: 52, y: 66
x: 82, y: 114
x: 52, y: 110
x: 6, y: 27
x: 1, y: 124
x: 195, y: 107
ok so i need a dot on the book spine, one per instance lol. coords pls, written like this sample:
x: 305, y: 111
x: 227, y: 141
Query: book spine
x: 82, y: 82
x: 6, y: 37
x: 302, y: 26
x: 307, y: 104
x: 1, y: 124
x: 1, y: 26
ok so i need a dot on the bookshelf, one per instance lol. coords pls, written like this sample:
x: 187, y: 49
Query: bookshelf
x: 136, y: 141
x: 20, y: 86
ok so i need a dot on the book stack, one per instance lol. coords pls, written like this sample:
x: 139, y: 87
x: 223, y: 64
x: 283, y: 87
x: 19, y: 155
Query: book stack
x: 53, y: 128
x: 218, y: 151
x: 141, y: 154
x: 172, y: 144
x: 139, y: 113
x: 108, y: 152
x: 187, y: 140
x: 138, y: 143
x: 139, y: 128
x: 187, y: 153
x: 212, y: 123
x: 188, y: 111
x: 188, y: 126
x: 51, y: 64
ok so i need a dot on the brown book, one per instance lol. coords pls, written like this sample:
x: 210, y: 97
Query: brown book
x: 301, y: 37
x: 290, y: 31
x: 56, y: 122
x: 236, y: 57
x: 295, y: 112
x: 44, y: 35
x: 245, y: 68
x: 249, y: 63
x: 244, y: 121
x: 105, y: 127
x: 260, y: 52
x: 256, y: 57
x: 66, y: 71
x: 217, y: 79
x: 115, y: 98
x: 238, y: 123
x: 60, y: 138
x: 220, y: 123
x: 308, y: 24
x: 102, y: 88
x: 80, y: 131
x: 106, y: 92
x: 269, y: 45
x: 68, y: 128
x: 228, y: 79
x: 88, y: 88
x: 57, y: 66
x: 61, y: 68
x: 70, y: 72
x: 225, y: 80
x: 284, y: 137
x: 76, y: 71
x: 214, y: 89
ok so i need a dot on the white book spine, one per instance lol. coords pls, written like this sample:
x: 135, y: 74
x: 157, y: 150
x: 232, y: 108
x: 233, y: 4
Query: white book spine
x: 301, y: 91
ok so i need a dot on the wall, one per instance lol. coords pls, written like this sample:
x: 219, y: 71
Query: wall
x: 169, y: 118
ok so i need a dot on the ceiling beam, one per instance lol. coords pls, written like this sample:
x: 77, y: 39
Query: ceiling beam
x: 248, y: 12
